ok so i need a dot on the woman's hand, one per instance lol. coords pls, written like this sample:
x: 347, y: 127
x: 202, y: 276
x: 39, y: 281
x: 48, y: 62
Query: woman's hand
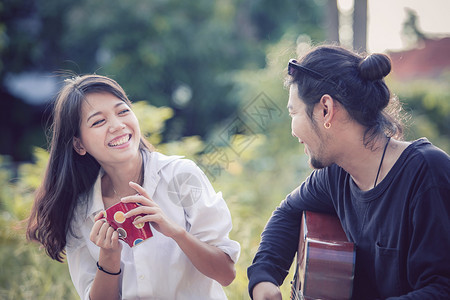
x: 104, y: 236
x: 106, y: 286
x: 208, y: 259
x: 152, y: 212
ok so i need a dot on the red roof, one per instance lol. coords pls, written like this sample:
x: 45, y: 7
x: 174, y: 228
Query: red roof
x: 427, y: 61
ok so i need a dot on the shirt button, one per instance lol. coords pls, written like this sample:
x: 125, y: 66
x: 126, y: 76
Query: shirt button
x: 141, y: 277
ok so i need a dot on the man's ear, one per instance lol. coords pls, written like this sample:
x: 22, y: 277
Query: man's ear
x: 329, y: 107
x: 78, y: 146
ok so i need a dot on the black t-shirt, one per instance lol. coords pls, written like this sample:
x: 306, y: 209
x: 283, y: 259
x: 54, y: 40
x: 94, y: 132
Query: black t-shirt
x: 401, y: 228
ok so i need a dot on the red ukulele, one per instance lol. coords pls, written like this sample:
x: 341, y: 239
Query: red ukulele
x: 325, y: 260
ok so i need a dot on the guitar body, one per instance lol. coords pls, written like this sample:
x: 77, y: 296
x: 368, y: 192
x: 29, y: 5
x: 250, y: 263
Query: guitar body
x: 325, y: 259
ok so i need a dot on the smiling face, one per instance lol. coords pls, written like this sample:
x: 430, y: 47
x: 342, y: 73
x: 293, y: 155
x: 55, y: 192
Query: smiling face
x: 306, y: 130
x: 109, y: 130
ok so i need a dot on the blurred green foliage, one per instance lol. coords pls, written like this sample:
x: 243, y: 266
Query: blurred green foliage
x: 427, y: 103
x: 171, y: 53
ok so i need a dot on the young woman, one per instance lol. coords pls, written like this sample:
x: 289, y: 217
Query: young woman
x: 98, y: 158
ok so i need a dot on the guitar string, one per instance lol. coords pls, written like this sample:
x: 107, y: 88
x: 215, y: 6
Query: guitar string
x: 296, y: 294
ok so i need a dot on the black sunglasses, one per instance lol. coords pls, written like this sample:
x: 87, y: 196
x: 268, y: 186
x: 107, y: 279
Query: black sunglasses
x: 294, y: 66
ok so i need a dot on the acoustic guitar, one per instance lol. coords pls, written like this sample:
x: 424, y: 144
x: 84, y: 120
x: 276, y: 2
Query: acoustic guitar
x: 325, y: 259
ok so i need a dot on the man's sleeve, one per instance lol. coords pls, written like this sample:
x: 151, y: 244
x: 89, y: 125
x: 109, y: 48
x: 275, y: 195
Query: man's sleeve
x: 279, y: 240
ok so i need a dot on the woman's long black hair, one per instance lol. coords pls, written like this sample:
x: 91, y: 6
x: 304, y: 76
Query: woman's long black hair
x: 69, y: 176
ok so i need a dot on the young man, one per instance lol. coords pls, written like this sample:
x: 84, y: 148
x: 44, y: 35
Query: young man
x: 392, y: 197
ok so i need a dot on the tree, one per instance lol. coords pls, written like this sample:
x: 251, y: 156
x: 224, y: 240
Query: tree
x: 332, y: 21
x: 175, y: 53
x: 411, y: 32
x: 360, y: 25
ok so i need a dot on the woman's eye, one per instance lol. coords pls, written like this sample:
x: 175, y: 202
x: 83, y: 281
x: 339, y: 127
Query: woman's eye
x: 124, y: 111
x: 98, y: 122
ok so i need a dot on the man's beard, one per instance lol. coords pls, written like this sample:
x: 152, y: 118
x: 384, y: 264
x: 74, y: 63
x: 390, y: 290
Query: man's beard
x: 316, y: 163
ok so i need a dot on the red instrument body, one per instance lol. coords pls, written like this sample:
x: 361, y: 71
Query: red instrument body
x: 325, y: 259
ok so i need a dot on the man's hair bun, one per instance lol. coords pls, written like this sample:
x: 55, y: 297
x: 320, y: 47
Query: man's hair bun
x: 374, y: 67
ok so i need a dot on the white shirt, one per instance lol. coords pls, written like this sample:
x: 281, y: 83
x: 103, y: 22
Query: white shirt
x: 157, y: 268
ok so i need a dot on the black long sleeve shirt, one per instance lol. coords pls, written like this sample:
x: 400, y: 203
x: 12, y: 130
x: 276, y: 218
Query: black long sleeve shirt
x: 401, y: 228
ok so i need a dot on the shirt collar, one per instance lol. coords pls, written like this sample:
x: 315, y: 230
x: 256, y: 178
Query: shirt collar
x: 154, y: 162
x: 96, y: 201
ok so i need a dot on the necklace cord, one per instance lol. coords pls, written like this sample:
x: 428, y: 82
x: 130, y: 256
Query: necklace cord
x: 381, y: 162
x: 140, y: 179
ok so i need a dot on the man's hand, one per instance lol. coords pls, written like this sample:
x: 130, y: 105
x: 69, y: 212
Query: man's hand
x: 266, y: 291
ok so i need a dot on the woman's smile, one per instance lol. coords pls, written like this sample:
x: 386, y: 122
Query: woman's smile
x: 120, y: 141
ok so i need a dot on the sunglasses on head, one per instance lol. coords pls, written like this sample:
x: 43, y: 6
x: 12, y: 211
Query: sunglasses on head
x: 294, y: 66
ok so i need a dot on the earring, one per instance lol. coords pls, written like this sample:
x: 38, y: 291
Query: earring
x: 327, y: 125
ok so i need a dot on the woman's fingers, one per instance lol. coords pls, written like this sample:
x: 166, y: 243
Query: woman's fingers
x: 103, y: 235
x: 99, y: 216
x: 96, y: 228
x: 109, y: 233
x: 150, y: 210
x: 151, y: 215
x: 146, y: 210
x: 140, y: 199
x: 139, y: 189
x: 115, y: 238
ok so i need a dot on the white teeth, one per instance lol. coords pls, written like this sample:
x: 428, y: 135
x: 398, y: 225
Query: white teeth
x: 120, y: 141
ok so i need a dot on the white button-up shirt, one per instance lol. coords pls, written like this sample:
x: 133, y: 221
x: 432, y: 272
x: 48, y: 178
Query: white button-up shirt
x: 157, y: 268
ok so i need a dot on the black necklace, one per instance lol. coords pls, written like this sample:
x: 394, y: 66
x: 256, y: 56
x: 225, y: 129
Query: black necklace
x: 140, y: 179
x: 381, y: 162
